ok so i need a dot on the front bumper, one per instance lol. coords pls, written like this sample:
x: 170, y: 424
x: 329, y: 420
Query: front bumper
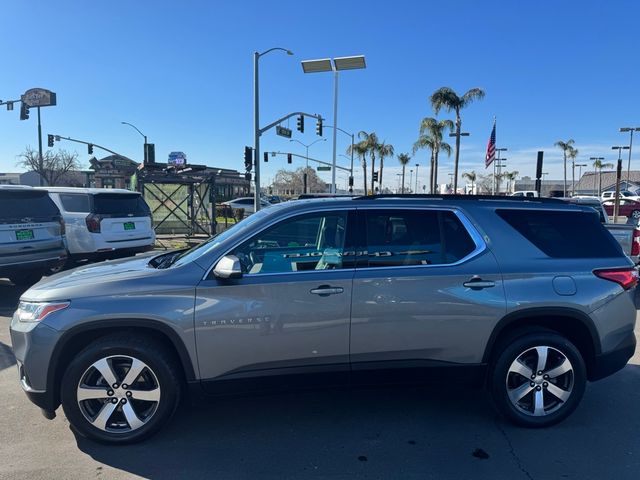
x: 608, y: 363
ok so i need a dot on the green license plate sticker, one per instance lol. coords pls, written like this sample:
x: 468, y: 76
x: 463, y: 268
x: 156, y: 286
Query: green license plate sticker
x: 24, y: 234
x: 129, y: 226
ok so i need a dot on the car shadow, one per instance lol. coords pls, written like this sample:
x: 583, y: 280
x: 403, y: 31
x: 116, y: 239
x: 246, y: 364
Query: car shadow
x: 9, y: 297
x: 436, y: 432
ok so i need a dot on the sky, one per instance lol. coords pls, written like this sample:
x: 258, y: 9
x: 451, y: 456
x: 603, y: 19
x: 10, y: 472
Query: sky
x: 182, y: 72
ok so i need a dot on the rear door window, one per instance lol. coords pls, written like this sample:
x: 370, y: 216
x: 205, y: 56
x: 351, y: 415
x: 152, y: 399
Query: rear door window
x: 563, y: 234
x: 19, y: 205
x: 75, y: 202
x: 415, y: 237
x: 120, y: 205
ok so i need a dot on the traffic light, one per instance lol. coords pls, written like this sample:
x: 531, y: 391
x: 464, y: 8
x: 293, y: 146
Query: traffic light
x: 90, y: 149
x: 24, y: 111
x: 266, y: 156
x: 300, y: 123
x: 375, y: 176
x: 289, y: 158
x: 50, y: 140
x: 247, y: 177
x: 351, y: 181
x: 319, y: 127
x: 9, y: 105
x: 248, y: 158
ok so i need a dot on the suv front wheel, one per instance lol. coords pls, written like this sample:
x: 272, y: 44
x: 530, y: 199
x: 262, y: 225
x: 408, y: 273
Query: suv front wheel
x: 121, y: 389
x: 538, y: 379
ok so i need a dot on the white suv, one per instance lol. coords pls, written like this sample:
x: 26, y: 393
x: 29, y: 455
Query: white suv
x: 104, y: 223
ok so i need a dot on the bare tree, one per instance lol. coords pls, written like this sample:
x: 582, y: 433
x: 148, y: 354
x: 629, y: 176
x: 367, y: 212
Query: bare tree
x: 54, y: 167
x: 292, y: 182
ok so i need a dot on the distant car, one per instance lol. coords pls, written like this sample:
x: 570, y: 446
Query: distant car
x: 246, y: 203
x: 274, y: 199
x: 525, y: 193
x: 31, y: 234
x: 103, y: 223
x: 623, y: 194
x: 628, y: 207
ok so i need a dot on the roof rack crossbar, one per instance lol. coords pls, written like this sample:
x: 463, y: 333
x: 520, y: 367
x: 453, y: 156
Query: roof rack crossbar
x: 430, y: 196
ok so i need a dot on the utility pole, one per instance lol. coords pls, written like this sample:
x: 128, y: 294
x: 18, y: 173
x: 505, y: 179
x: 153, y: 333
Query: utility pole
x: 616, y: 202
x: 630, y: 130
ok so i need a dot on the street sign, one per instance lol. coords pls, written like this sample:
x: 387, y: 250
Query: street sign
x: 177, y: 158
x: 39, y: 97
x: 323, y: 169
x: 283, y: 132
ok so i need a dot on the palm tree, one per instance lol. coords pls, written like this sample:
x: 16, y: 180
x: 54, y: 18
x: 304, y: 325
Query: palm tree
x: 431, y: 134
x: 446, y: 98
x: 371, y: 143
x: 403, y: 158
x: 360, y: 150
x: 511, y: 176
x: 471, y: 176
x: 599, y: 166
x: 384, y: 150
x: 573, y: 153
x: 566, y: 147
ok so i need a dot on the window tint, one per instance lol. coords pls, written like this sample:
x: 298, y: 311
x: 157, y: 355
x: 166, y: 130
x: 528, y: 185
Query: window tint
x: 563, y: 234
x: 415, y: 237
x: 17, y: 204
x: 75, y: 202
x: 120, y: 204
x: 309, y: 242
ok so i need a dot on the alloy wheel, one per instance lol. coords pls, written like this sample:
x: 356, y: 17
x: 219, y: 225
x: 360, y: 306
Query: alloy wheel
x: 540, y: 381
x: 118, y: 394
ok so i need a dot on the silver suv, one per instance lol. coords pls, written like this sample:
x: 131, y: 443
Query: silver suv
x: 529, y: 297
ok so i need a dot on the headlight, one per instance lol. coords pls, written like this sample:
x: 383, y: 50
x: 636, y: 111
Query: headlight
x: 37, y: 311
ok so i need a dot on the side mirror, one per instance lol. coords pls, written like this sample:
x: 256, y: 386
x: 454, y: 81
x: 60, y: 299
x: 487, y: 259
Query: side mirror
x: 228, y: 267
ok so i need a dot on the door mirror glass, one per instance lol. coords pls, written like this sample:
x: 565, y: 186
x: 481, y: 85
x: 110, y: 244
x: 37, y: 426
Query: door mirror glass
x: 228, y: 267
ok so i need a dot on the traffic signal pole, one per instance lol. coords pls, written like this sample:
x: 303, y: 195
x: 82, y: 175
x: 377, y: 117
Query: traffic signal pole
x: 40, y: 161
x: 91, y: 144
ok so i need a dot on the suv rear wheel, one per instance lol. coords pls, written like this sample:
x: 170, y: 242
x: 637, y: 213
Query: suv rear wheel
x: 538, y: 379
x: 120, y: 389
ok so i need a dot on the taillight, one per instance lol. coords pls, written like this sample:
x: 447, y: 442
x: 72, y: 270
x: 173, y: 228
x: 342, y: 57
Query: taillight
x: 625, y: 277
x: 93, y: 222
x: 635, y: 243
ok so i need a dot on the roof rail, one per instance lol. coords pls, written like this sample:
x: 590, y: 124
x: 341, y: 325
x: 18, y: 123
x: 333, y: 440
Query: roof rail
x: 428, y: 196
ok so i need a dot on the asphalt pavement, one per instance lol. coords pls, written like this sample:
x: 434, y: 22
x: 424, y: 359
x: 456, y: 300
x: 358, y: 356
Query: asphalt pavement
x: 437, y: 432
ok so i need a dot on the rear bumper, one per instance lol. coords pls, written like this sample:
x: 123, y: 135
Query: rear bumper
x: 608, y: 363
x: 111, y: 254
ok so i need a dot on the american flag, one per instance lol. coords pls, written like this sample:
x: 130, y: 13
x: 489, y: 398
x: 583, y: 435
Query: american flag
x: 491, y: 147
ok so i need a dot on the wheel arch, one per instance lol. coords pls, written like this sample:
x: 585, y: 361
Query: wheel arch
x: 573, y: 324
x: 75, y: 339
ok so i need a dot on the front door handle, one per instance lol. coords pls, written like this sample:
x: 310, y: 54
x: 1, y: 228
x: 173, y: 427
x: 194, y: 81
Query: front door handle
x: 326, y: 290
x: 476, y: 283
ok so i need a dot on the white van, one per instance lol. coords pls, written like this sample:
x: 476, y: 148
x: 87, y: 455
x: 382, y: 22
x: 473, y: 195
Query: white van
x: 525, y: 193
x: 103, y: 223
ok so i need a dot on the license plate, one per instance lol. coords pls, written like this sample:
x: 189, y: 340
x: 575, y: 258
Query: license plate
x: 24, y: 234
x: 129, y: 226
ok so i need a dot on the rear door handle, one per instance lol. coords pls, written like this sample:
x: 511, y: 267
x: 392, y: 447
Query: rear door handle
x: 476, y: 283
x: 326, y: 290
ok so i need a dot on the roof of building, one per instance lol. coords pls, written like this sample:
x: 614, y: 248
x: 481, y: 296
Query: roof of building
x: 589, y: 180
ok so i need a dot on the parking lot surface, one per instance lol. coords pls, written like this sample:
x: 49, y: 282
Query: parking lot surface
x: 442, y: 431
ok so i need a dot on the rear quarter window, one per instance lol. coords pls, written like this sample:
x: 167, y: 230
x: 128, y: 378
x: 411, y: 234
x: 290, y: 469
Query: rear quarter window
x: 563, y: 234
x: 75, y: 202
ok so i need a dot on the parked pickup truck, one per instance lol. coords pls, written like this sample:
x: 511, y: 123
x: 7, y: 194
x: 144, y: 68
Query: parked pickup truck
x: 627, y: 235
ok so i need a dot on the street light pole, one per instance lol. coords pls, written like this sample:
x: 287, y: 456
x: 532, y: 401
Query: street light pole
x: 256, y: 122
x: 495, y: 164
x: 335, y: 130
x: 580, y: 165
x: 630, y: 130
x: 616, y: 202
x: 410, y: 177
x: 457, y: 134
x: 145, y: 140
x: 417, y: 166
x: 304, y: 177
x: 40, y: 159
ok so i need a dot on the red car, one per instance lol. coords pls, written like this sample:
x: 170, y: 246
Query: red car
x: 628, y: 208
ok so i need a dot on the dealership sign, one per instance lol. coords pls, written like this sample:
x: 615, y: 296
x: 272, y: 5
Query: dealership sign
x: 38, y: 97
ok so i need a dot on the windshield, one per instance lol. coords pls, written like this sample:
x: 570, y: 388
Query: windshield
x: 204, y: 248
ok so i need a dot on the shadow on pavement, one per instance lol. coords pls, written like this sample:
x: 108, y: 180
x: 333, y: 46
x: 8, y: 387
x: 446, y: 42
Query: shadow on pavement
x: 6, y: 356
x: 435, y: 432
x: 9, y: 297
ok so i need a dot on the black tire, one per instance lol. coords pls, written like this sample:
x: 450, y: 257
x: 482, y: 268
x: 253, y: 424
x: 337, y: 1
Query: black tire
x: 161, y: 365
x: 500, y: 380
x: 68, y: 264
x: 25, y: 279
